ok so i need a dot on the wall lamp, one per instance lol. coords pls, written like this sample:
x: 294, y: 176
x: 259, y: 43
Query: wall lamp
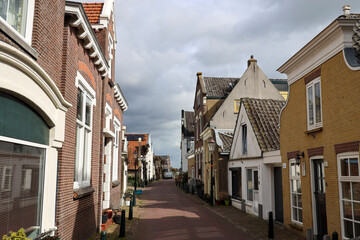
x: 298, y: 157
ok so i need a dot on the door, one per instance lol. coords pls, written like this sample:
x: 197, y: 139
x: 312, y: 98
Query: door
x: 319, y: 197
x: 256, y: 191
x: 279, y: 216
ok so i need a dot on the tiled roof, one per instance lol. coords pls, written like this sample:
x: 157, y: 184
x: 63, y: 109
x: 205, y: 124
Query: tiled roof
x: 264, y: 118
x: 226, y: 138
x: 93, y: 11
x: 189, y: 119
x: 218, y: 87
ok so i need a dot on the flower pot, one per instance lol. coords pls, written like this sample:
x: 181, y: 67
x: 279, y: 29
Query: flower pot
x: 227, y: 202
x: 218, y: 202
x: 127, y: 203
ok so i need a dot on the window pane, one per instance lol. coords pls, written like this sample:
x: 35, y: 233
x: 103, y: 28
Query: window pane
x: 3, y: 8
x: 345, y: 167
x: 256, y: 180
x: 356, y: 211
x: 311, y: 105
x: 298, y: 183
x: 354, y: 167
x: 292, y: 167
x: 88, y: 111
x: 86, y: 156
x: 347, y: 209
x: 297, y: 169
x: 295, y: 214
x: 317, y: 103
x: 300, y: 215
x: 357, y: 230
x: 299, y: 200
x: 78, y: 153
x: 294, y: 200
x: 346, y: 190
x: 16, y: 15
x: 348, y: 228
x: 249, y: 185
x: 356, y: 191
x: 80, y: 104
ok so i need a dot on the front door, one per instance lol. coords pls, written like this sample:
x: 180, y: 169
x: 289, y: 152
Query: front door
x: 319, y: 196
x: 279, y: 216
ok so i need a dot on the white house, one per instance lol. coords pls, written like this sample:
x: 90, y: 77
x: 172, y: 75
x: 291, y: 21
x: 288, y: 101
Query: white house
x: 254, y: 166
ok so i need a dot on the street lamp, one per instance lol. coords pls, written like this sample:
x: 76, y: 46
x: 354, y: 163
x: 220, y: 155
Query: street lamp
x: 211, y: 146
x: 135, y: 156
x: 139, y: 153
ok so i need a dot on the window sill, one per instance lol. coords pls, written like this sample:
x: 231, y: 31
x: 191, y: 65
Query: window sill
x: 15, y: 36
x: 115, y: 183
x: 83, y: 192
x: 296, y: 226
x: 319, y: 129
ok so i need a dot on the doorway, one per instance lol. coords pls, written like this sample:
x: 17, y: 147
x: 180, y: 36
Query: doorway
x: 319, y: 198
x: 279, y: 215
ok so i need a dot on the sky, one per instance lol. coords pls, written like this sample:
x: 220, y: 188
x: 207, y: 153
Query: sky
x: 162, y: 44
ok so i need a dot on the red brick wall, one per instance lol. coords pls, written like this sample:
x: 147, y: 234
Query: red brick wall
x: 78, y: 219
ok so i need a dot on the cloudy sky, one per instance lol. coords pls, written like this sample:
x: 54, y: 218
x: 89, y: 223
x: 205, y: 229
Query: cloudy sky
x: 162, y: 44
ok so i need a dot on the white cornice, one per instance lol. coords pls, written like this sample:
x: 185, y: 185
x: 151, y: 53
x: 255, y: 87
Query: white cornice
x: 325, y: 45
x: 120, y: 98
x: 26, y: 64
x: 86, y: 33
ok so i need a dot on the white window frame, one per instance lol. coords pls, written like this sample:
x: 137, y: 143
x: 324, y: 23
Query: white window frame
x: 350, y: 179
x: 28, y: 25
x: 296, y: 178
x: 3, y: 187
x: 115, y: 170
x: 315, y: 124
x: 108, y: 116
x: 87, y: 91
x: 110, y: 48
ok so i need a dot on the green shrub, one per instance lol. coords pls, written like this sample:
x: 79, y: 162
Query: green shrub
x: 20, y: 235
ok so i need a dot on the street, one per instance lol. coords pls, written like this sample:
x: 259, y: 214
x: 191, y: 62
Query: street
x: 168, y: 213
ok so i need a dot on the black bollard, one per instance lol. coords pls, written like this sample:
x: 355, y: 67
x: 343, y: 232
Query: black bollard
x: 335, y: 236
x: 103, y: 235
x: 271, y: 226
x: 134, y: 198
x: 131, y: 211
x: 122, y: 225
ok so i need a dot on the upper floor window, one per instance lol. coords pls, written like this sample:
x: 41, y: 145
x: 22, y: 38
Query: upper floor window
x: 244, y: 138
x: 85, y: 99
x: 313, y: 95
x: 236, y: 105
x: 19, y: 15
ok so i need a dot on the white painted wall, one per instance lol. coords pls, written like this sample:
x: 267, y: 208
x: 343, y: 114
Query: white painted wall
x: 253, y: 84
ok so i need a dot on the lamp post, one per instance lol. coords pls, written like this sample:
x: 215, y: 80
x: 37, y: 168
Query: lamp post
x: 139, y: 154
x: 211, y: 146
x: 135, y: 156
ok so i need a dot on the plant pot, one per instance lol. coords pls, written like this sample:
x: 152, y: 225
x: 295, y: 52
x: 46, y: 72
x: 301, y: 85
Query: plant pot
x: 117, y: 219
x: 218, y: 202
x: 127, y: 203
x: 227, y: 202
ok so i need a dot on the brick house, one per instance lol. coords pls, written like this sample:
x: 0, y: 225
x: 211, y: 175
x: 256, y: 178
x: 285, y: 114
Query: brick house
x: 62, y: 77
x: 319, y: 134
x: 187, y: 137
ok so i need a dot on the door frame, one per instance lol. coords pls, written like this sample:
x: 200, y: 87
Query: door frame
x: 313, y: 200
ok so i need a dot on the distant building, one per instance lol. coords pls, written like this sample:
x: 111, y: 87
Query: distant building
x: 187, y: 137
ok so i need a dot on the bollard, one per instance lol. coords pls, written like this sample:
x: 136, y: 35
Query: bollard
x: 131, y: 211
x: 134, y: 199
x: 335, y: 236
x: 326, y: 237
x: 122, y: 225
x: 309, y: 234
x: 103, y: 235
x: 271, y: 226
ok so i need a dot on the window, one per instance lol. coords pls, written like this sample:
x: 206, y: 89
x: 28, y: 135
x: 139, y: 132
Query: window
x: 313, y: 93
x: 21, y: 184
x: 19, y: 15
x: 249, y: 174
x: 111, y: 46
x: 244, y: 138
x: 295, y: 192
x: 236, y: 183
x: 236, y: 105
x: 350, y: 195
x: 85, y: 102
x: 198, y: 98
x: 116, y: 151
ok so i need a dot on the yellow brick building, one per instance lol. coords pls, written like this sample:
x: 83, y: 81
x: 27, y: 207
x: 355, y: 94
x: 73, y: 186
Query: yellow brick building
x: 319, y: 133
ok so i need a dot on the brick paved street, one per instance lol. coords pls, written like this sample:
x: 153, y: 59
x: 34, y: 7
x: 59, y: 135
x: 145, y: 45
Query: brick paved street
x: 169, y: 213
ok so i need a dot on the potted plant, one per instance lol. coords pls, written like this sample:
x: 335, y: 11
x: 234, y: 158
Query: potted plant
x: 227, y: 200
x: 223, y: 196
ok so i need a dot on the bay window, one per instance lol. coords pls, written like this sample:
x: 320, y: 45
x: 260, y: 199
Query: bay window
x: 350, y: 195
x: 295, y: 192
x: 84, y: 114
x: 313, y: 95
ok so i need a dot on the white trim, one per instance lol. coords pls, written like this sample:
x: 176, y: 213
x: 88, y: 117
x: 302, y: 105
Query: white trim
x: 315, y: 124
x: 80, y: 80
x: 120, y: 98
x: 291, y: 202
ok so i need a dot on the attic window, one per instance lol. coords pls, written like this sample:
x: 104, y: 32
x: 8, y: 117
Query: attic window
x: 264, y: 83
x: 236, y: 105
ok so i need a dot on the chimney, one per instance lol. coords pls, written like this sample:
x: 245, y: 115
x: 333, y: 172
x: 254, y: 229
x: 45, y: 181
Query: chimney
x: 199, y: 74
x: 346, y: 10
x: 251, y: 60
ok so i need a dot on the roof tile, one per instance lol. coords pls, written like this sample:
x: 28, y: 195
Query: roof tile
x: 93, y: 11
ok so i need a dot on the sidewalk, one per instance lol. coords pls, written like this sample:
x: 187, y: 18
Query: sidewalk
x: 255, y: 227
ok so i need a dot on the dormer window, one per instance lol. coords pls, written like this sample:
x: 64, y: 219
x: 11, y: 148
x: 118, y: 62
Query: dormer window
x: 313, y: 96
x: 19, y: 16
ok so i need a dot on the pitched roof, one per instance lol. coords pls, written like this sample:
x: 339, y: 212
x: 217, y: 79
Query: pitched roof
x: 189, y: 119
x: 93, y: 11
x: 263, y: 115
x: 224, y: 138
x: 218, y: 87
